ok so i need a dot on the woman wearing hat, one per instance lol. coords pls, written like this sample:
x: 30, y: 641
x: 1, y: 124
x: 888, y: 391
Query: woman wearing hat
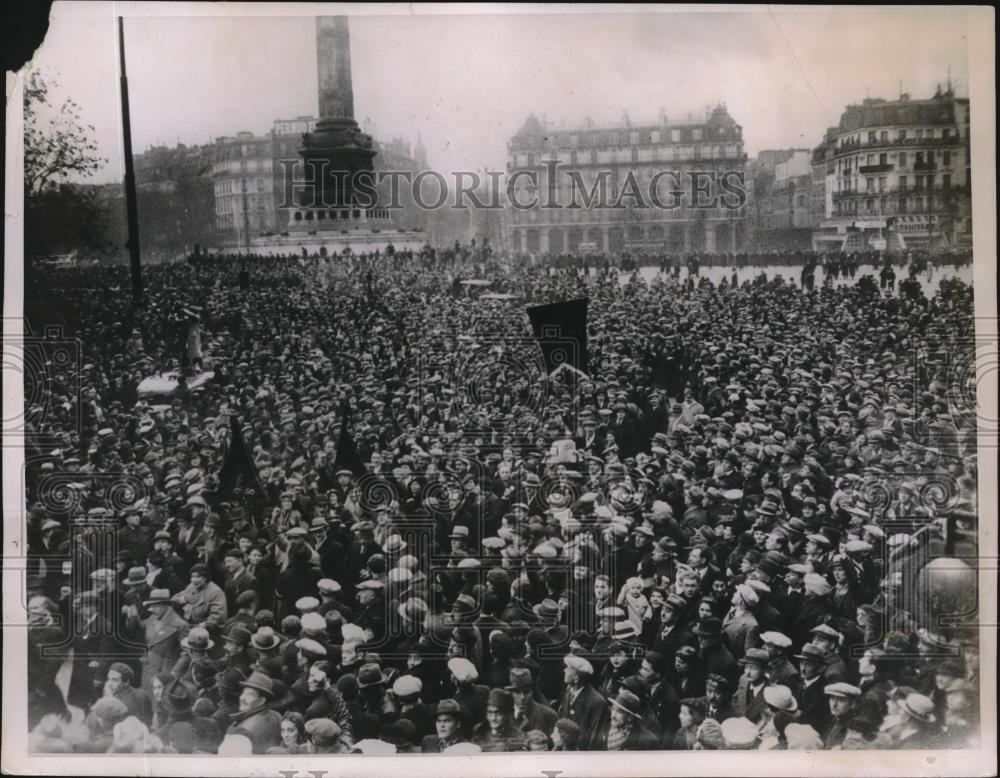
x: 625, y: 731
x: 916, y: 728
x: 620, y: 665
x: 692, y: 714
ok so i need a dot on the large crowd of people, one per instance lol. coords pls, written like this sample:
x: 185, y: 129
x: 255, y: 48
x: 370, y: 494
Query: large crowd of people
x: 710, y: 538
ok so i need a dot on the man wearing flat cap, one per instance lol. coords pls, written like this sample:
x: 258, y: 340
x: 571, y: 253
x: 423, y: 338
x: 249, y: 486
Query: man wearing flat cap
x: 843, y: 699
x: 780, y: 670
x: 581, y: 703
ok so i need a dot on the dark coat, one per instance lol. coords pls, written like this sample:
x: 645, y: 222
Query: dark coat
x: 753, y: 708
x: 588, y: 711
x: 815, y: 707
x: 717, y: 659
x: 537, y: 716
x: 641, y: 739
x: 261, y: 725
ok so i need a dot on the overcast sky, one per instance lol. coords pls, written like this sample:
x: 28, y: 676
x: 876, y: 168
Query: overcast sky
x: 466, y: 82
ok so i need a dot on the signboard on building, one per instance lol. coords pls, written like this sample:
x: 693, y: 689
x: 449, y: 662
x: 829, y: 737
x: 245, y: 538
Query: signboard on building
x: 870, y: 224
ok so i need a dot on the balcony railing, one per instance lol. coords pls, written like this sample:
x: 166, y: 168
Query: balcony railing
x: 848, y: 148
x: 875, y: 168
x: 924, y: 165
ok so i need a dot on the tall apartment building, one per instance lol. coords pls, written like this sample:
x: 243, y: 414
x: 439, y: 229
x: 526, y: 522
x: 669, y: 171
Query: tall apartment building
x: 543, y: 162
x: 900, y: 175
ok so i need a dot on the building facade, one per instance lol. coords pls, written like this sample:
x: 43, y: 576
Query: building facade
x: 900, y: 175
x: 261, y: 161
x: 243, y: 170
x: 548, y: 166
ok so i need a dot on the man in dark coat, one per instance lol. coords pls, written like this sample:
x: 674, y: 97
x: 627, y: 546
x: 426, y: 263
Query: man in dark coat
x: 715, y: 657
x: 256, y: 720
x: 448, y: 724
x: 748, y: 701
x: 407, y: 690
x: 529, y: 714
x: 673, y: 632
x: 812, y: 699
x: 581, y: 703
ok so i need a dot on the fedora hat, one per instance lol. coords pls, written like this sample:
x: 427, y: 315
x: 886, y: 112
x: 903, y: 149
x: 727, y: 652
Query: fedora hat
x: 158, y: 597
x: 756, y: 656
x: 370, y: 674
x: 264, y: 639
x: 546, y: 610
x: 919, y: 707
x: 198, y: 639
x: 179, y: 696
x: 238, y: 635
x: 812, y: 653
x: 260, y: 682
x: 520, y: 678
x: 136, y: 576
x: 229, y: 680
x: 628, y: 702
x: 449, y: 707
x: 708, y: 627
x: 502, y: 699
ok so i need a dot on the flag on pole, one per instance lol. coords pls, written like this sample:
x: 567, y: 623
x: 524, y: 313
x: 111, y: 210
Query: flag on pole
x: 239, y: 475
x: 347, y: 456
x: 561, y: 331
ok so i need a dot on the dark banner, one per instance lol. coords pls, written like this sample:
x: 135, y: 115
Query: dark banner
x: 561, y: 330
x: 239, y: 474
x: 348, y: 457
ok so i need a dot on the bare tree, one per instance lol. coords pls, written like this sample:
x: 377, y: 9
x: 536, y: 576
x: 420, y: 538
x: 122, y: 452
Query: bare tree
x: 56, y: 147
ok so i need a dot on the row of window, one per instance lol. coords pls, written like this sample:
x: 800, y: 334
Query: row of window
x: 880, y: 183
x: 902, y: 134
x: 900, y: 159
x: 635, y: 137
x: 631, y: 155
x: 236, y: 186
x: 889, y: 207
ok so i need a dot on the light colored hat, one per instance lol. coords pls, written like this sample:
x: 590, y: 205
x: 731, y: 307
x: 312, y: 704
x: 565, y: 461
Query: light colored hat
x: 407, y: 686
x: 740, y: 733
x: 310, y: 647
x: 780, y: 697
x: 919, y: 707
x: 372, y: 747
x: 463, y: 670
x: 802, y: 737
x: 776, y: 639
x: 579, y: 664
x: 463, y: 749
x: 352, y: 633
x: 817, y: 584
x: 747, y: 594
x: 328, y: 586
x: 235, y: 745
x: 306, y: 604
x: 313, y: 622
x: 841, y: 689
